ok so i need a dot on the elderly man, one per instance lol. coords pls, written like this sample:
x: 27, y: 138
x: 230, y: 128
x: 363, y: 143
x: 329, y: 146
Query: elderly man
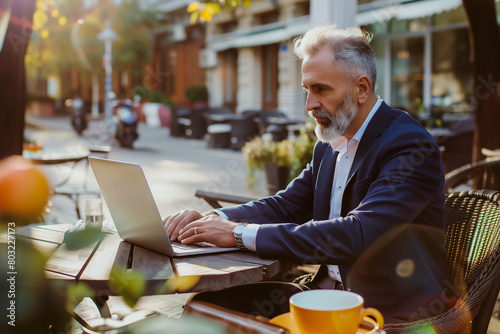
x: 369, y: 207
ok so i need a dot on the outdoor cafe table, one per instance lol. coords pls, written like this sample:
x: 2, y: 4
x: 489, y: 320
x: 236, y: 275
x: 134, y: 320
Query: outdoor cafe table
x: 57, y: 155
x: 92, y: 264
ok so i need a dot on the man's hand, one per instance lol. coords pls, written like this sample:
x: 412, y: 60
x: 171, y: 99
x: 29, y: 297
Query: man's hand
x: 175, y: 222
x: 212, y: 228
x: 209, y: 228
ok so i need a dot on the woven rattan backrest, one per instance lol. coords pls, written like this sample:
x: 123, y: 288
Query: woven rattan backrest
x: 472, y: 231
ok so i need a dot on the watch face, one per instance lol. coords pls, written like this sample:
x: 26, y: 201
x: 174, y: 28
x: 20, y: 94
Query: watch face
x: 239, y: 229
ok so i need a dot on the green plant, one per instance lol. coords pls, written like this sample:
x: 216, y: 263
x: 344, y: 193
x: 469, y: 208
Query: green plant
x: 302, y: 151
x: 155, y: 96
x: 197, y: 93
x: 294, y: 153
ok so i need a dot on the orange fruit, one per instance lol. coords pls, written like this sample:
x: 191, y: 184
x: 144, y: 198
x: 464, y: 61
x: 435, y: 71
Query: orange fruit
x: 24, y: 189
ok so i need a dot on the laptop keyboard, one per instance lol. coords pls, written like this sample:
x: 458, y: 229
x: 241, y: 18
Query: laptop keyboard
x: 198, y: 245
x: 178, y: 245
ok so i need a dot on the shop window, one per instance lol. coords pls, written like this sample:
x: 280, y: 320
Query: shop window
x: 414, y: 25
x: 451, y: 69
x: 407, y: 74
x: 378, y: 45
x: 377, y: 28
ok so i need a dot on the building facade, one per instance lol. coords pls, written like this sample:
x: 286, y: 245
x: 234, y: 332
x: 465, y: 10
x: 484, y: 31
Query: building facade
x: 246, y: 57
x: 422, y: 49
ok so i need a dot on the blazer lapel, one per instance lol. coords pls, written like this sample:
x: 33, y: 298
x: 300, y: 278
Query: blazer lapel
x: 380, y: 121
x: 323, y: 187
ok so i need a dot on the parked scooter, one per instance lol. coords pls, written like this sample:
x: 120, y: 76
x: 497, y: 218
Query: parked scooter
x: 78, y: 117
x: 128, y: 118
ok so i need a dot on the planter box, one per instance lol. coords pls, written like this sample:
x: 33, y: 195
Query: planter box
x: 156, y: 114
x: 277, y: 178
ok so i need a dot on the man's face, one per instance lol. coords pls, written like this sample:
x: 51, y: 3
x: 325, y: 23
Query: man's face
x: 329, y: 96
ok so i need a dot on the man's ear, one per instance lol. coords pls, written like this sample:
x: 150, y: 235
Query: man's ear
x: 363, y: 86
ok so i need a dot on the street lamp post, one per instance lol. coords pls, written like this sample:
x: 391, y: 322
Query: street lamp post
x: 108, y: 36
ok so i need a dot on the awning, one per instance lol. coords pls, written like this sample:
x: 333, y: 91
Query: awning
x: 260, y: 38
x: 407, y: 11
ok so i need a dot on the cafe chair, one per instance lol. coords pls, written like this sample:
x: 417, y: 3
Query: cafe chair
x: 179, y: 120
x: 274, y: 123
x: 244, y: 129
x: 484, y: 174
x: 215, y: 199
x: 473, y: 243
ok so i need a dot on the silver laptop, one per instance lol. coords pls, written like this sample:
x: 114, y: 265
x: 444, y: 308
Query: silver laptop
x: 134, y: 211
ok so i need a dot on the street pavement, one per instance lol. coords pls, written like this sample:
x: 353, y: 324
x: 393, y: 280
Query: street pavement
x: 174, y: 167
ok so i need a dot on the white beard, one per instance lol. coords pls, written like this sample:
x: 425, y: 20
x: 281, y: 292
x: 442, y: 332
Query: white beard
x: 339, y: 121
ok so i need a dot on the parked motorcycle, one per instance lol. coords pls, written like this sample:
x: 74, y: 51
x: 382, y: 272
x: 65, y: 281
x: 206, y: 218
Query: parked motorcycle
x: 78, y: 117
x: 126, y: 129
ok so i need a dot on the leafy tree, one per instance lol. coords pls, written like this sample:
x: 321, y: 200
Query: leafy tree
x: 133, y: 50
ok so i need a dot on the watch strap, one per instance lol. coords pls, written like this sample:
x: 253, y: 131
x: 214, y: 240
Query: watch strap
x: 238, y: 237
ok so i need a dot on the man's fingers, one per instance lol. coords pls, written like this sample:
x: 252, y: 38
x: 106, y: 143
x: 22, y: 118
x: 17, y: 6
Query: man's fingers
x: 176, y: 222
x: 190, y: 233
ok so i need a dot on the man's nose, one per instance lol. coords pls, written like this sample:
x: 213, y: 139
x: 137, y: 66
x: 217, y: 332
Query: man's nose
x: 311, y: 102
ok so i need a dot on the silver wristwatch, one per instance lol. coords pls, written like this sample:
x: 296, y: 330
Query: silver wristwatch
x: 238, y: 232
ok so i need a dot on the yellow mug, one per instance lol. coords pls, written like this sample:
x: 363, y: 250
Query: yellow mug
x: 326, y: 311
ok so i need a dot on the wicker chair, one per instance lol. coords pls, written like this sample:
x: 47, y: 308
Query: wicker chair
x: 473, y: 244
x: 484, y: 174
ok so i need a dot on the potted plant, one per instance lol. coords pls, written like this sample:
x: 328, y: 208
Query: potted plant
x: 282, y: 161
x: 156, y: 109
x: 197, y: 95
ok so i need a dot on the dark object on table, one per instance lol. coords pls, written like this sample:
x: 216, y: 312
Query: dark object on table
x: 232, y: 320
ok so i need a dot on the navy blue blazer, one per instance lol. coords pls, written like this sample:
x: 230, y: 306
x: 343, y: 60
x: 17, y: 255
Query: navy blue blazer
x: 396, y: 180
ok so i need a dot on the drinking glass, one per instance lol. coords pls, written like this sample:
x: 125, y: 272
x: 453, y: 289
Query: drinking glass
x: 93, y: 213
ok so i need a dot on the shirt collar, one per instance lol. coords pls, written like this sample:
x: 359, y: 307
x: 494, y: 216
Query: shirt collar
x: 341, y: 145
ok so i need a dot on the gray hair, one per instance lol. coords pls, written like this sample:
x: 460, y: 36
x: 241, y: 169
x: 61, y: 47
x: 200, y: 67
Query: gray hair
x: 351, y: 49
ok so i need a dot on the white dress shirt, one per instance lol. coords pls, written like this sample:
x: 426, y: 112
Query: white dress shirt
x: 347, y: 151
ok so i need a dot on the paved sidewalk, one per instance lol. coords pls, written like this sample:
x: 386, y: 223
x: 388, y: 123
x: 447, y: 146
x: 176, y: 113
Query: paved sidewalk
x: 174, y: 167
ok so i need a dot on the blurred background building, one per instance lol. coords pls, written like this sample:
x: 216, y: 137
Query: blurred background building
x: 246, y: 58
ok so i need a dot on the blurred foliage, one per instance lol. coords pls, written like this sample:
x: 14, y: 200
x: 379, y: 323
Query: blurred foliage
x: 185, y: 325
x: 35, y: 306
x: 83, y: 238
x: 295, y: 153
x: 65, y: 37
x: 204, y: 11
x: 133, y: 49
x: 302, y: 152
x: 179, y: 284
x: 197, y: 93
x: 128, y: 283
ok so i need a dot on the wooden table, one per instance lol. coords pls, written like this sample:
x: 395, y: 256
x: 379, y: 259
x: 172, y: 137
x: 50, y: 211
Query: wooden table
x: 92, y: 264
